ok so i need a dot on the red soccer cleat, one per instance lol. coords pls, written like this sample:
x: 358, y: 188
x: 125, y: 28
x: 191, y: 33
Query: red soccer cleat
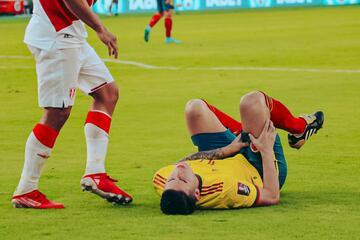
x: 34, y: 199
x: 101, y: 184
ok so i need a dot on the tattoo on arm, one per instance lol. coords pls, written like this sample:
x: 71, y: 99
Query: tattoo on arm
x: 208, y: 155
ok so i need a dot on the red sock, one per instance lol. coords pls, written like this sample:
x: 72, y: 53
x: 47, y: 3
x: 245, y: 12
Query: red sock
x: 282, y: 117
x: 155, y: 19
x: 226, y: 120
x: 45, y: 134
x: 168, y: 26
x: 99, y: 119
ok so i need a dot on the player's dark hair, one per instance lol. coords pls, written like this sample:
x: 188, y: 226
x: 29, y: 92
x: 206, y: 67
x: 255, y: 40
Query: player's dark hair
x: 177, y: 202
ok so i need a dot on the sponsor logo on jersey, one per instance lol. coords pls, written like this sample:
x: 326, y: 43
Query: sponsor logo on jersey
x: 243, y: 189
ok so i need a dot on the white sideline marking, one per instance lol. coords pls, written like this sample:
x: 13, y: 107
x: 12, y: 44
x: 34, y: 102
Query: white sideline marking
x: 234, y: 68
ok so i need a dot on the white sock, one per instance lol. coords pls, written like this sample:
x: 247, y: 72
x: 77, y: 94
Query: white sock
x: 96, y: 141
x: 35, y: 156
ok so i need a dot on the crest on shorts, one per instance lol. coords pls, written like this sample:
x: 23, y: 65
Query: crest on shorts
x: 243, y: 189
x: 72, y: 92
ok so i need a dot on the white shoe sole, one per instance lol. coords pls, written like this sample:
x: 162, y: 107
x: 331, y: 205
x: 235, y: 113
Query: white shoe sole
x: 87, y: 184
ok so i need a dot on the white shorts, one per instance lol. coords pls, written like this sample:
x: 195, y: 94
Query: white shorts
x: 61, y: 71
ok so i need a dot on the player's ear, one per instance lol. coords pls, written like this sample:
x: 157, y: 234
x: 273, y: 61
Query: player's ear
x: 197, y: 194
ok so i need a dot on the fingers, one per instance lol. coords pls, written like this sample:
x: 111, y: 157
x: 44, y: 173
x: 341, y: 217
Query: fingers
x: 244, y: 144
x: 112, y: 49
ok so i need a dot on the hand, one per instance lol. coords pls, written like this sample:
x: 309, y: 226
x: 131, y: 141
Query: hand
x: 109, y: 40
x: 235, y: 146
x: 265, y: 142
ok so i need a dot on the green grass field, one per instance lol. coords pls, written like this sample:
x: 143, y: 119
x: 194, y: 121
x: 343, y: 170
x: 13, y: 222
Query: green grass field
x: 321, y: 197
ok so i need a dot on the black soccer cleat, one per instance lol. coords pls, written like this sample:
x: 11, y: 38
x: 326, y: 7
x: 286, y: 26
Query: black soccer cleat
x: 314, y: 122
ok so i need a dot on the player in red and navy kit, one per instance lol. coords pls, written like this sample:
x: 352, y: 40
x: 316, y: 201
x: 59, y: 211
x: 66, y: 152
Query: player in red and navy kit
x: 56, y: 36
x: 165, y: 9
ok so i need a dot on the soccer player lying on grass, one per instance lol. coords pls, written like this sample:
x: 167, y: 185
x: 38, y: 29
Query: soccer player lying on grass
x: 254, y: 168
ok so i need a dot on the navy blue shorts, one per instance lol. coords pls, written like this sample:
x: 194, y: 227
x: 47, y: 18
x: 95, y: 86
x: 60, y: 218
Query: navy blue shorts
x: 162, y: 6
x: 210, y: 141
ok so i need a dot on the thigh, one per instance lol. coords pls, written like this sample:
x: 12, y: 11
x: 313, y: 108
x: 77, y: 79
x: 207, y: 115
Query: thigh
x: 161, y: 6
x: 93, y: 73
x: 57, y: 73
x: 209, y: 141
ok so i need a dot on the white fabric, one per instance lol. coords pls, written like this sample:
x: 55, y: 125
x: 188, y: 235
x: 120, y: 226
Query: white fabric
x: 96, y: 142
x: 61, y: 71
x: 41, y: 33
x: 35, y: 156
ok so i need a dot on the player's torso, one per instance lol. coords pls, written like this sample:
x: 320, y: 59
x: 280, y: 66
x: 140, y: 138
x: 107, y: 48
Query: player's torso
x: 53, y: 23
x: 223, y: 181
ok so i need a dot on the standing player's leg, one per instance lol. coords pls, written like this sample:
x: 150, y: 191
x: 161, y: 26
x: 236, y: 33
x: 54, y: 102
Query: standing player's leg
x: 168, y: 23
x: 154, y: 19
x: 96, y: 80
x: 37, y: 150
x: 57, y: 73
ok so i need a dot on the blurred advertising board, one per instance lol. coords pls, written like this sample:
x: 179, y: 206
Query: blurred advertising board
x: 140, y: 6
x: 11, y: 6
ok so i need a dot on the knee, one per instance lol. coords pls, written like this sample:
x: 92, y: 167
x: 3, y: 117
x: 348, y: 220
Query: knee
x: 254, y: 99
x: 195, y: 108
x: 55, y: 117
x: 108, y: 96
x: 63, y: 114
x: 114, y: 95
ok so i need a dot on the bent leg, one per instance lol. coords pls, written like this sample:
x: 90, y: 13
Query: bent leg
x: 39, y: 146
x: 254, y: 112
x: 105, y: 98
x: 200, y: 119
x: 206, y: 131
x: 97, y: 127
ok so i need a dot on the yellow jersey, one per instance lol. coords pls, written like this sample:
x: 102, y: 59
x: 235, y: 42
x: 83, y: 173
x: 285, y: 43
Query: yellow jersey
x: 227, y: 183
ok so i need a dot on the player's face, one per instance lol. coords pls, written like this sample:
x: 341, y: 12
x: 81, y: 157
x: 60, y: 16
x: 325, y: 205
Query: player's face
x: 183, y: 179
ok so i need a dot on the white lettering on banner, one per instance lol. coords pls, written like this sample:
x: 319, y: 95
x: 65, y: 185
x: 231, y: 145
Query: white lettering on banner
x: 223, y: 3
x: 142, y: 5
x: 280, y: 2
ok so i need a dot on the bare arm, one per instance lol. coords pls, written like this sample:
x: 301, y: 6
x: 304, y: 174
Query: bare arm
x: 82, y: 10
x: 219, y: 153
x: 270, y: 193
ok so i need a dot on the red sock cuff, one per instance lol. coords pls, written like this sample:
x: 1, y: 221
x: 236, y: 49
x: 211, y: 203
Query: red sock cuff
x: 99, y: 119
x: 45, y: 134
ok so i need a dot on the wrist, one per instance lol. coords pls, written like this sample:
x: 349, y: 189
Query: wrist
x: 99, y: 28
x: 265, y: 154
